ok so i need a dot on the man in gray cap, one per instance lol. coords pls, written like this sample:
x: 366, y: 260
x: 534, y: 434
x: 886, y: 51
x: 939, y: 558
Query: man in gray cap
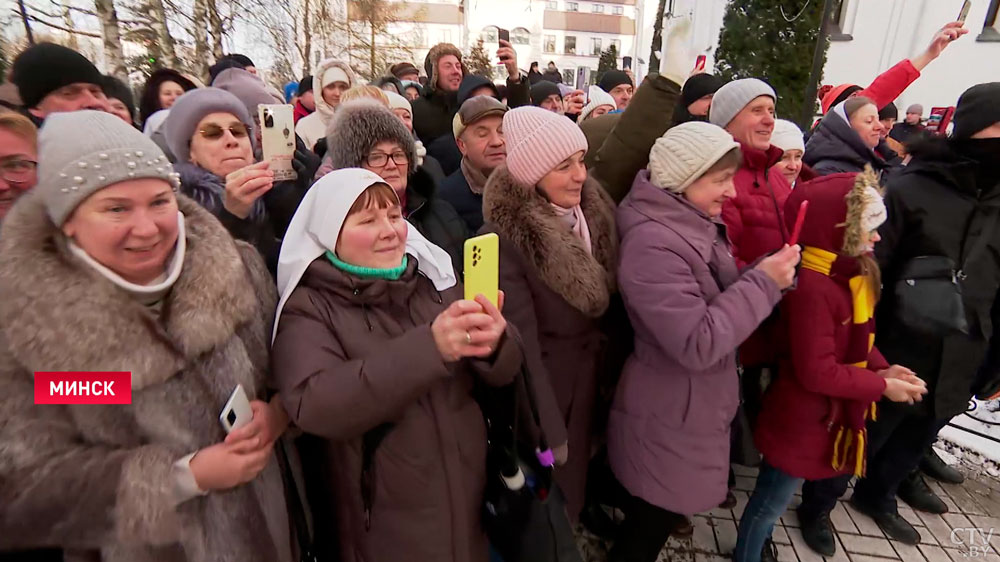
x: 478, y: 129
x: 910, y: 129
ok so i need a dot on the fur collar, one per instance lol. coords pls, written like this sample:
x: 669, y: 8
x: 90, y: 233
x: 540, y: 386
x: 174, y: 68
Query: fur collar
x: 523, y: 216
x: 58, y: 314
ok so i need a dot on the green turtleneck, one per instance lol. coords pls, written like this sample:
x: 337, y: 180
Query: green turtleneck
x: 391, y: 273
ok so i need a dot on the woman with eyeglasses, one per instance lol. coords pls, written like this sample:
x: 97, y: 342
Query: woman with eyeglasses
x: 211, y: 134
x: 18, y: 159
x: 366, y: 134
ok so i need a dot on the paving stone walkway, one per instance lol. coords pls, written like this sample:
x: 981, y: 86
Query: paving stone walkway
x: 970, y: 531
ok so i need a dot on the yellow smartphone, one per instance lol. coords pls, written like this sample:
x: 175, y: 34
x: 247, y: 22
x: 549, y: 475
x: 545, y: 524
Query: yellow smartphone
x: 482, y: 267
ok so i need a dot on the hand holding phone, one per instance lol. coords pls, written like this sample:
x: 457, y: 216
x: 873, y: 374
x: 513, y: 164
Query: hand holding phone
x: 503, y: 34
x: 964, y: 13
x: 482, y: 268
x: 799, y: 221
x: 237, y: 412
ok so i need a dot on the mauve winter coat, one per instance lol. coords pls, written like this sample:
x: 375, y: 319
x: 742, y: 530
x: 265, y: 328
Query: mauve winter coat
x: 352, y: 354
x: 668, y: 435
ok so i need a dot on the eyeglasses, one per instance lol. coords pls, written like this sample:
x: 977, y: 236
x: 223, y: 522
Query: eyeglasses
x: 215, y: 132
x: 380, y: 159
x: 17, y: 171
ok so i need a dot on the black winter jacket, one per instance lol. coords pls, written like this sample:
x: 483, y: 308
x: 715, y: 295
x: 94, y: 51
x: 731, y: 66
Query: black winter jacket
x: 835, y: 147
x: 434, y: 217
x: 939, y: 205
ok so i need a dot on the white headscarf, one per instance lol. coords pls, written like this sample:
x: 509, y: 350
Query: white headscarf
x: 316, y: 227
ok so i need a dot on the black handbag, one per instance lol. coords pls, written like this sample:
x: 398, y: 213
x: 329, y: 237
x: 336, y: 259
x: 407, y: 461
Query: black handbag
x: 928, y: 293
x: 524, y: 511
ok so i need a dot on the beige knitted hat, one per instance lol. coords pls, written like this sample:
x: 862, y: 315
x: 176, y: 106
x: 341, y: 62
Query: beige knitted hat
x: 686, y: 152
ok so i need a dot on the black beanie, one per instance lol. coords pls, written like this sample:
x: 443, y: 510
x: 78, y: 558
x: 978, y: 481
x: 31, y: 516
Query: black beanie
x: 44, y: 68
x: 115, y: 88
x: 614, y: 78
x: 242, y: 59
x: 699, y: 86
x: 305, y: 85
x: 225, y: 63
x: 542, y: 90
x: 977, y: 109
x: 888, y: 112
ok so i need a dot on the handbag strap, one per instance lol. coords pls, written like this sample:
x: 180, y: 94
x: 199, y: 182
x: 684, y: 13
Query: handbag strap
x: 981, y: 242
x: 298, y: 511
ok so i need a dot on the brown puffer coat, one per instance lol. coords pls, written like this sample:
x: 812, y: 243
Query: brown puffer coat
x: 352, y: 354
x: 557, y: 295
x: 98, y: 480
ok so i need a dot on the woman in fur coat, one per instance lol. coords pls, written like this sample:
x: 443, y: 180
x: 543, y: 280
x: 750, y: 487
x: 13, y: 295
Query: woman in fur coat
x: 558, y: 251
x: 104, y: 268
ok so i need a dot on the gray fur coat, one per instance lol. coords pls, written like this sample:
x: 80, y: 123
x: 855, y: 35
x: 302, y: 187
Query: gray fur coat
x: 97, y: 481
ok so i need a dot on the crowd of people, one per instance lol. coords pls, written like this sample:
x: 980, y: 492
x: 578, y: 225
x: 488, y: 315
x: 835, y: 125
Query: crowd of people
x: 675, y: 313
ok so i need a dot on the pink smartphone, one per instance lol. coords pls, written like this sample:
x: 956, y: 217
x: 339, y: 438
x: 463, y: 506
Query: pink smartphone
x: 799, y: 221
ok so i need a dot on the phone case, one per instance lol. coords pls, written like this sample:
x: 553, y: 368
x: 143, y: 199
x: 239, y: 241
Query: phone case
x: 237, y: 411
x: 277, y: 138
x: 482, y: 267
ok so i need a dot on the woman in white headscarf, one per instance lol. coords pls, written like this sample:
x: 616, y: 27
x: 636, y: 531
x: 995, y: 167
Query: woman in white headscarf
x: 377, y: 355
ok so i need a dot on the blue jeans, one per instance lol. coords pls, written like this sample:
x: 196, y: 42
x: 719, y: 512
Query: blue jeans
x: 770, y: 499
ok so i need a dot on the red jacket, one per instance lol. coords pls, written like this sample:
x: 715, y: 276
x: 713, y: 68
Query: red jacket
x: 794, y: 431
x: 755, y: 224
x: 300, y: 111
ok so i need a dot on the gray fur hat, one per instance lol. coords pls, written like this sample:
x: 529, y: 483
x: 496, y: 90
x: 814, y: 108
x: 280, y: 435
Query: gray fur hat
x: 358, y: 126
x: 104, y: 151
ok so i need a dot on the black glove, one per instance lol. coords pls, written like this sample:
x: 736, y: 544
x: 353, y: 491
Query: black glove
x: 305, y: 163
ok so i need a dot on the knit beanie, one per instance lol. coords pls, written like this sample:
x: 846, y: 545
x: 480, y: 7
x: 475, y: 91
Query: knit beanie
x: 613, y: 79
x: 977, y: 109
x: 597, y: 98
x: 336, y: 74
x: 225, y: 63
x: 44, y: 68
x: 734, y: 96
x: 305, y: 85
x: 248, y: 88
x: 787, y: 136
x: 888, y: 112
x: 836, y: 95
x: 191, y: 108
x: 116, y: 89
x: 685, y: 153
x: 699, y: 86
x: 109, y: 152
x: 542, y: 90
x: 397, y: 101
x: 358, y: 126
x: 537, y: 141
x: 916, y: 108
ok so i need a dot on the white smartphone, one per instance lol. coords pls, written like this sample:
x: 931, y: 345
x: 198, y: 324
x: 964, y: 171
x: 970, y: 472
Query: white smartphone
x: 277, y: 139
x: 237, y: 411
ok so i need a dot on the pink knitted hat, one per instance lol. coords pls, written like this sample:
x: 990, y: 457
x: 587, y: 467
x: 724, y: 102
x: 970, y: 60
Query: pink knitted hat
x: 537, y: 141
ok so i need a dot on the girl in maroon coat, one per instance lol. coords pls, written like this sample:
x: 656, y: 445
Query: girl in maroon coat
x: 812, y: 425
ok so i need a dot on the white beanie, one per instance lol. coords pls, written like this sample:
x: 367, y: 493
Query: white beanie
x: 397, y: 101
x: 734, y: 96
x: 686, y: 152
x: 335, y: 74
x: 596, y: 98
x: 787, y: 136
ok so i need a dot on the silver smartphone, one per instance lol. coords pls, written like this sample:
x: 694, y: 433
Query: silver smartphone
x: 237, y: 411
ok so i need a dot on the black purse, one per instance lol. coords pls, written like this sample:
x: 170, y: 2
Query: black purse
x: 524, y: 511
x: 928, y: 294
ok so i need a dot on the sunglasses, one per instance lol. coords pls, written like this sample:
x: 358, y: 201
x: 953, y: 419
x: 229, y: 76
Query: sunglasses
x: 215, y: 132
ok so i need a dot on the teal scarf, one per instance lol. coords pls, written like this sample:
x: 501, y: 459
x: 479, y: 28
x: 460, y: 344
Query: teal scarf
x: 391, y: 274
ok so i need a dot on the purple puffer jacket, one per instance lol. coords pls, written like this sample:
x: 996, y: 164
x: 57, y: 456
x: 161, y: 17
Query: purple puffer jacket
x: 668, y: 435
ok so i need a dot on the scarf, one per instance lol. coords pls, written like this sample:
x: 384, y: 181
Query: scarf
x: 849, y: 416
x: 389, y: 274
x: 476, y: 179
x: 573, y: 217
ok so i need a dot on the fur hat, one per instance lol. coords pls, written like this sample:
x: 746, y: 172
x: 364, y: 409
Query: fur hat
x: 686, y: 152
x: 434, y: 55
x: 109, y: 152
x: 358, y: 126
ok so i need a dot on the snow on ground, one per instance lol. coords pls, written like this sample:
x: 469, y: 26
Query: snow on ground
x: 973, y: 438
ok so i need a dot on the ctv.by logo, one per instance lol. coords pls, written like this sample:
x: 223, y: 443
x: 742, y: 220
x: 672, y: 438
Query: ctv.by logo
x: 975, y: 539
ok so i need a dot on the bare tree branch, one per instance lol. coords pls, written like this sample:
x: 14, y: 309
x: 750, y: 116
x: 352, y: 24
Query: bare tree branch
x: 59, y: 27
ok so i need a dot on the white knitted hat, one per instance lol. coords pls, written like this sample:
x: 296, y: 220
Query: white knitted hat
x: 734, y: 96
x: 397, y: 101
x: 787, y: 136
x: 686, y: 152
x: 596, y: 98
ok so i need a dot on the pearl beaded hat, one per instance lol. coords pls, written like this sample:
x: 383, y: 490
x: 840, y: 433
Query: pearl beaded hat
x: 81, y: 152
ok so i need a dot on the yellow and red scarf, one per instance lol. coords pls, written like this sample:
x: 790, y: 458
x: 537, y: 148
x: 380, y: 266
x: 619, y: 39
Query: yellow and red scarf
x: 849, y: 415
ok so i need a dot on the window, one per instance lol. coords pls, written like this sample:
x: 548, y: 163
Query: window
x: 491, y: 34
x: 551, y: 5
x: 595, y: 45
x: 990, y: 30
x: 572, y: 7
x: 619, y: 10
x: 597, y: 8
x: 569, y: 45
x: 842, y: 25
x: 569, y: 77
x: 550, y: 43
x: 520, y: 36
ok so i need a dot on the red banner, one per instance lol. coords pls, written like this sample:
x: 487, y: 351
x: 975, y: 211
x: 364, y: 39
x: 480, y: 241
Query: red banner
x: 83, y: 387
